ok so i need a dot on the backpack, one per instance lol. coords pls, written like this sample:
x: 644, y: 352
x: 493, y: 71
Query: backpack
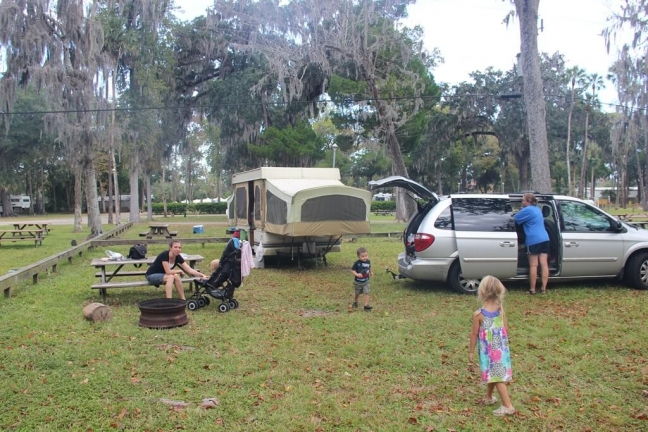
x: 137, y: 251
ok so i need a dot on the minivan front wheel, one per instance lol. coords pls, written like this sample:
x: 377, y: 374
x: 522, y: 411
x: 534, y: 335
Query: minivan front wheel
x: 637, y: 271
x: 458, y: 283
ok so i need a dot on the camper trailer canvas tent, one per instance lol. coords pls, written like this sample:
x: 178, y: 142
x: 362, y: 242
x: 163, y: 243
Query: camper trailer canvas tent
x: 297, y: 210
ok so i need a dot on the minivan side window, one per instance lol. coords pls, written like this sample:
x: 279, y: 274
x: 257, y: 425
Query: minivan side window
x: 483, y: 214
x: 579, y: 217
x: 444, y: 221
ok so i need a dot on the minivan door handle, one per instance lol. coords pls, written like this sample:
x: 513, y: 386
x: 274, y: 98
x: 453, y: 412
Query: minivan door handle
x: 571, y: 243
x: 507, y: 244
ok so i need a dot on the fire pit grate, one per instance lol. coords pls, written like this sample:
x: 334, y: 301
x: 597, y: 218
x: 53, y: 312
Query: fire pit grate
x: 162, y: 313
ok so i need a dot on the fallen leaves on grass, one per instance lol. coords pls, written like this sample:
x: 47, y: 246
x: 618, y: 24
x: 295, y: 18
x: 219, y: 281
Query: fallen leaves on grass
x: 314, y: 313
x: 641, y: 415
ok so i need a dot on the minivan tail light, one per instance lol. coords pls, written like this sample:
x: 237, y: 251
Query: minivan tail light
x: 422, y: 241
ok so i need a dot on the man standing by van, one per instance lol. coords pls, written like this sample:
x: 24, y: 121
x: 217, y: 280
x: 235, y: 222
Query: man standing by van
x: 537, y: 241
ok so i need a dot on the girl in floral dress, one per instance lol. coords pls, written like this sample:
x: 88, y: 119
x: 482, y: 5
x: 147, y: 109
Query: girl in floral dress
x: 489, y: 326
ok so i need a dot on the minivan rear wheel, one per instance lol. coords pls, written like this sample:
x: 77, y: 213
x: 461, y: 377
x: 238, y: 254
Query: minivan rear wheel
x: 458, y: 283
x: 637, y: 271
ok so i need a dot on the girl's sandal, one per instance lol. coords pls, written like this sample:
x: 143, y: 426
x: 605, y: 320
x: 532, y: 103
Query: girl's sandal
x: 486, y: 401
x: 532, y: 292
x: 544, y: 291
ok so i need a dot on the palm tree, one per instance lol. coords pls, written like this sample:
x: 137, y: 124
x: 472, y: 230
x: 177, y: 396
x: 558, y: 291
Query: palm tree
x: 595, y: 82
x: 576, y: 76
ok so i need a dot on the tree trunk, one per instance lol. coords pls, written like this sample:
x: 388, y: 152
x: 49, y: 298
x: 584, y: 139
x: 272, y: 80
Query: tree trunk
x: 94, y: 217
x: 78, y: 197
x: 218, y: 186
x: 568, y: 145
x: 134, y: 187
x: 164, y: 191
x: 189, y: 178
x: 405, y: 207
x: 534, y: 101
x: 39, y: 201
x: 5, y: 197
x: 581, y: 182
x: 149, y: 203
x: 111, y: 193
x: 30, y: 191
x: 116, y: 186
x: 439, y: 175
x: 593, y: 185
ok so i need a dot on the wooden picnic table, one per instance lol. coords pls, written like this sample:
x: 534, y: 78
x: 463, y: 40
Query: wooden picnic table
x: 35, y: 235
x: 38, y: 225
x: 109, y: 269
x: 158, y: 229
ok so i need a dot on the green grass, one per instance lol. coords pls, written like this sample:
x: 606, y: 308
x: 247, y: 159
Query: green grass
x: 293, y: 357
x: 21, y: 253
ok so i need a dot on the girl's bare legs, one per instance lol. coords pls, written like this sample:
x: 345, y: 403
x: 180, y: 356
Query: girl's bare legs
x: 489, y: 391
x: 502, y: 389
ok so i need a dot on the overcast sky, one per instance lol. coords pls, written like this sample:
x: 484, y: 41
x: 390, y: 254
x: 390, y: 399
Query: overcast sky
x: 471, y: 35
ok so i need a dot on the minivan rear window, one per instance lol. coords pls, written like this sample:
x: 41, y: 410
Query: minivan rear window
x: 482, y: 214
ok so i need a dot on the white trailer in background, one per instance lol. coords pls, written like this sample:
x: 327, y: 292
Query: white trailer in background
x: 297, y: 212
x: 19, y: 203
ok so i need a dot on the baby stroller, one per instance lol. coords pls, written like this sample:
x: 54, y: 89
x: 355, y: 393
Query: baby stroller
x: 220, y: 284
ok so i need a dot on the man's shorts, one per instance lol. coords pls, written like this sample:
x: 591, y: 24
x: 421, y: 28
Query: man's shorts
x: 156, y: 279
x: 538, y: 248
x: 361, y: 287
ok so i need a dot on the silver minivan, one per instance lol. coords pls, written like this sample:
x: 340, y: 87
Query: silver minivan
x: 459, y: 238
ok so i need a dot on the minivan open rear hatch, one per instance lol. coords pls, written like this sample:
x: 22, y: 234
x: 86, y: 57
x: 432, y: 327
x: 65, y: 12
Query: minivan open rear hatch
x: 407, y: 184
x: 409, y: 236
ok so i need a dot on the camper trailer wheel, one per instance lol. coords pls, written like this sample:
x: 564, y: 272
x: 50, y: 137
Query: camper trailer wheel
x: 206, y: 300
x: 192, y: 305
x: 223, y: 307
x: 201, y: 302
x: 233, y: 304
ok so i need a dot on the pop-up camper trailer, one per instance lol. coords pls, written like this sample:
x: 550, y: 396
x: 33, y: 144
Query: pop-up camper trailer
x: 297, y: 211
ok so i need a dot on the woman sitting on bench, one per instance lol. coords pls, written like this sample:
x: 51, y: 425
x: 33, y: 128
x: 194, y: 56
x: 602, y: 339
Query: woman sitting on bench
x: 162, y: 270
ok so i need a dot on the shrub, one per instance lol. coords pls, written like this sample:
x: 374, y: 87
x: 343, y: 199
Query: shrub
x: 383, y: 206
x: 181, y: 208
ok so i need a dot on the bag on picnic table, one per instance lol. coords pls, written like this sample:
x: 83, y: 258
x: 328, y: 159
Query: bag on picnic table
x: 137, y: 251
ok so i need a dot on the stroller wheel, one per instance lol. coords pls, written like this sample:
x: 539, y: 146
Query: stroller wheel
x: 223, y: 307
x: 206, y: 300
x: 202, y: 302
x: 192, y: 305
x: 233, y: 303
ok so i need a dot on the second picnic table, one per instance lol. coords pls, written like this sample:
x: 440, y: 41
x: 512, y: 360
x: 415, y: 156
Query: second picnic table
x: 105, y: 275
x: 37, y: 225
x: 22, y: 234
x: 158, y: 229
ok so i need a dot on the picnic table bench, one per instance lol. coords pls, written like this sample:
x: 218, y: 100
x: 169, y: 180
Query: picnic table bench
x: 37, y: 225
x: 35, y: 235
x: 106, y: 274
x: 158, y: 229
x: 383, y: 212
